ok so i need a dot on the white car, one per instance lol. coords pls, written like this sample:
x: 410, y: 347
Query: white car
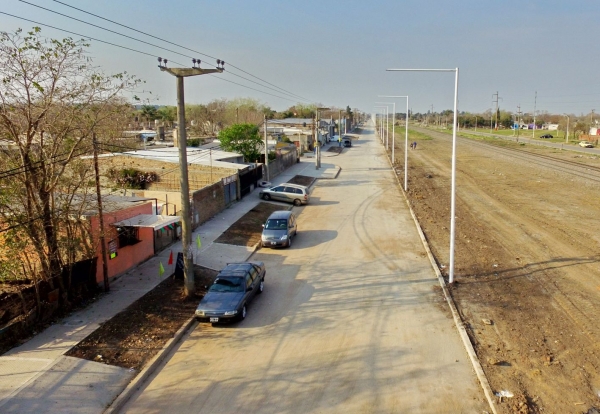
x: 586, y: 144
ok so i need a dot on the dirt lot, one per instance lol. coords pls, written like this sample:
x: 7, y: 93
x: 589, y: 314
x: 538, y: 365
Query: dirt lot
x: 526, y: 262
x: 132, y: 337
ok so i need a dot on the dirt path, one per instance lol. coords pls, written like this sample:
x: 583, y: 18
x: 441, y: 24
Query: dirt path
x: 526, y: 259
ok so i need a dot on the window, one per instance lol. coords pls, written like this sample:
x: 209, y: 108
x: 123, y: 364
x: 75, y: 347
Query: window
x: 248, y: 280
x: 128, y: 236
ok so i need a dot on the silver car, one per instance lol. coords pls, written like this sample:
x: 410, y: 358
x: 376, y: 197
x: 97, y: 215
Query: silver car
x: 279, y: 229
x: 290, y: 193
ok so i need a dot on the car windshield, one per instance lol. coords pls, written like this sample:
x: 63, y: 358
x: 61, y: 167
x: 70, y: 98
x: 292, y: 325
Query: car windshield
x: 276, y: 224
x: 228, y: 284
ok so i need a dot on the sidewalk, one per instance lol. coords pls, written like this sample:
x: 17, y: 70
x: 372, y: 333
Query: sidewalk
x: 37, y: 377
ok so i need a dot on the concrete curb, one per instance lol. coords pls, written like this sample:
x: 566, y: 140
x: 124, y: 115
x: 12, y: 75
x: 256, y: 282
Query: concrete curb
x: 485, y: 385
x: 148, y: 370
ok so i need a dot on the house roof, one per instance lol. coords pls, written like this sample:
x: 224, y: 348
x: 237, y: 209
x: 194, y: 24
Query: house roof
x: 155, y: 222
x: 199, y: 156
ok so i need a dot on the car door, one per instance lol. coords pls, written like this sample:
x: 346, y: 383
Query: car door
x: 255, y: 280
x: 277, y: 193
x: 293, y: 193
x: 250, y: 289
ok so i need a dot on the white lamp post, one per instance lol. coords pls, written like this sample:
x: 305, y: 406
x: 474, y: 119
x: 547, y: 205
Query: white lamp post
x: 453, y: 179
x: 381, y: 131
x: 405, y: 139
x: 387, y: 121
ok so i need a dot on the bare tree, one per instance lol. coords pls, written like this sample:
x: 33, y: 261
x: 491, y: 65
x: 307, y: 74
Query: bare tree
x: 51, y: 102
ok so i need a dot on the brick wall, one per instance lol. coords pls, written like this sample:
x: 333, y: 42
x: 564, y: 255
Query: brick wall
x: 207, y: 202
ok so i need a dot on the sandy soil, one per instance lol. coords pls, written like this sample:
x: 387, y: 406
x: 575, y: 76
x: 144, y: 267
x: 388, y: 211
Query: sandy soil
x: 526, y: 262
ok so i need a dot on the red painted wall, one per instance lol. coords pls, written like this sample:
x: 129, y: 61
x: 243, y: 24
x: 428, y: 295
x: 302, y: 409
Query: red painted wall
x: 128, y: 256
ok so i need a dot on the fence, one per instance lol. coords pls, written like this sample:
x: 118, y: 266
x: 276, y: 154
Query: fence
x: 284, y: 160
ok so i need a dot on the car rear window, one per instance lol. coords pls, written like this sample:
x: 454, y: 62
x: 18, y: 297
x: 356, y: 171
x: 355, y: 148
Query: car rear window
x: 228, y: 284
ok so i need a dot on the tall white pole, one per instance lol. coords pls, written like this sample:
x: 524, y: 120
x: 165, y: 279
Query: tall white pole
x: 453, y: 179
x: 406, y: 150
x: 453, y: 197
x: 393, y: 134
x: 534, y: 107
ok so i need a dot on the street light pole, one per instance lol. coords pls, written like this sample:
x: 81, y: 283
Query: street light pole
x: 387, y: 121
x: 453, y: 179
x: 186, y: 226
x: 567, y: 127
x: 381, y: 130
x: 405, y: 139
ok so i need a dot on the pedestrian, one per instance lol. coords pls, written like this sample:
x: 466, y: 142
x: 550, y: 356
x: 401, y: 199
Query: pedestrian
x: 339, y: 140
x: 411, y: 145
x: 414, y: 145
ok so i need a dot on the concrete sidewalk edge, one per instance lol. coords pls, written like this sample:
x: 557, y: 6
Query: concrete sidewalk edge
x: 149, y: 369
x: 485, y: 385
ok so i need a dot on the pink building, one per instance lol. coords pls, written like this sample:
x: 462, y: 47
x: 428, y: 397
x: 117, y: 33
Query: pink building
x: 133, y: 234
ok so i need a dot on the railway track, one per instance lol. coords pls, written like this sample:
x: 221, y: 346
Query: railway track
x: 570, y: 167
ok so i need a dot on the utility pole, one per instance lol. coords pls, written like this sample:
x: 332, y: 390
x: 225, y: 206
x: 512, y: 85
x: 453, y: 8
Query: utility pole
x: 431, y: 113
x: 567, y: 136
x: 316, y: 127
x: 186, y: 214
x: 534, y: 108
x: 496, y: 101
x: 518, y: 121
x: 592, y: 118
x: 266, y: 152
x: 100, y: 215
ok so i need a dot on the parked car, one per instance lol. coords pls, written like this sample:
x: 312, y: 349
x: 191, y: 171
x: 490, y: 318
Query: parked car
x: 291, y: 193
x: 547, y: 136
x: 234, y: 288
x: 347, y: 142
x: 586, y: 144
x: 279, y: 229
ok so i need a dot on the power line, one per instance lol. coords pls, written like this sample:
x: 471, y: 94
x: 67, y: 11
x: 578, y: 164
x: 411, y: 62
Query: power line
x: 88, y: 37
x: 183, y: 47
x: 44, y: 163
x: 108, y: 30
x: 138, y: 51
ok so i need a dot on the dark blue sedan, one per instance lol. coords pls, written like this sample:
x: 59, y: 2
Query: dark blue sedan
x: 233, y: 289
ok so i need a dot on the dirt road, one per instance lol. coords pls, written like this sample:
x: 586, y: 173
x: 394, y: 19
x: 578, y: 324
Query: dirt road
x: 526, y: 261
x: 352, y: 319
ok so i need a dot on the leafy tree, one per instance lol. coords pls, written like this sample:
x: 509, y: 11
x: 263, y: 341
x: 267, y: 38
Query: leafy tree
x: 167, y: 113
x: 52, y: 100
x: 242, y: 138
x: 149, y: 112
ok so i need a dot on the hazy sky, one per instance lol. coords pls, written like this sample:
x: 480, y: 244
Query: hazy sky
x: 335, y: 52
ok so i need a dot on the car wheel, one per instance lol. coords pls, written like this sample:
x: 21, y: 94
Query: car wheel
x: 297, y: 202
x: 261, y: 287
x: 266, y: 197
x: 244, y: 313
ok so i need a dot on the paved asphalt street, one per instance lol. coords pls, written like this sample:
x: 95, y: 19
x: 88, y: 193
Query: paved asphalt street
x: 352, y: 319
